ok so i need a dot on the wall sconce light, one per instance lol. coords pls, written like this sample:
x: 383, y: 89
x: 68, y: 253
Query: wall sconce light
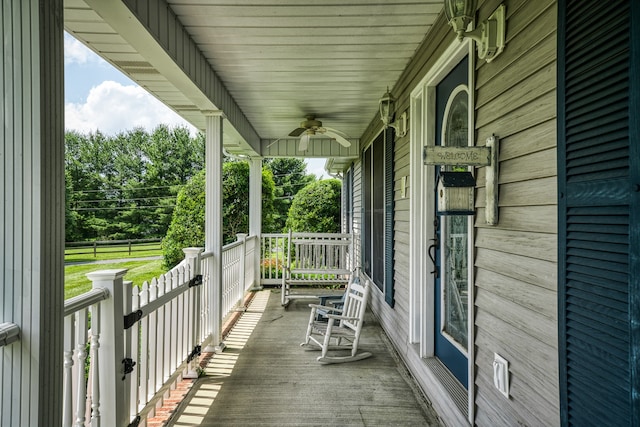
x: 456, y: 193
x: 489, y: 35
x: 387, y: 105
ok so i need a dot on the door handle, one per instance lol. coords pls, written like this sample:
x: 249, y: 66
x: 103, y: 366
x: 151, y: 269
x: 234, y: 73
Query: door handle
x: 432, y: 257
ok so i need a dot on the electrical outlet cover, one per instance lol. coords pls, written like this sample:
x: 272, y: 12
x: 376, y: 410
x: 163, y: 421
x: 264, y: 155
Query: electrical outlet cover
x: 501, y: 374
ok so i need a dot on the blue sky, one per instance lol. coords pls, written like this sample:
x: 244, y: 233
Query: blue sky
x: 99, y: 97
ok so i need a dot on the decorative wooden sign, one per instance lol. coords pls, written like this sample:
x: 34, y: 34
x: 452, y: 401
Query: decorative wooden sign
x: 457, y: 156
x: 472, y: 156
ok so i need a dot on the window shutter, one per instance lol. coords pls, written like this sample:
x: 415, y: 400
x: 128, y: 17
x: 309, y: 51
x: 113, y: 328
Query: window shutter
x: 388, y: 216
x: 594, y: 213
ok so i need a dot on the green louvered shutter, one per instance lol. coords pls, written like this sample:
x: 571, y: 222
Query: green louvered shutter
x: 388, y: 216
x: 596, y: 281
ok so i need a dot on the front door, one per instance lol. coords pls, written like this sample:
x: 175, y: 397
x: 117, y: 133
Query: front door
x: 452, y: 233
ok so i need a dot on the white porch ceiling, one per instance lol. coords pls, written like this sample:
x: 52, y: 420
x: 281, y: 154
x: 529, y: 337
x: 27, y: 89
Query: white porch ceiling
x: 278, y: 59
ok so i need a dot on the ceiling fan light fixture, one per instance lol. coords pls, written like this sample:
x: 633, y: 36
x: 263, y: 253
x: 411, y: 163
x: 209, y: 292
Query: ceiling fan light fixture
x: 304, y: 140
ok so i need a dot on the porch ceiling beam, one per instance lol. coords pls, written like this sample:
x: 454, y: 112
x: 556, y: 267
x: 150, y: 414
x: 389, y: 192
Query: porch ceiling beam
x: 170, y: 50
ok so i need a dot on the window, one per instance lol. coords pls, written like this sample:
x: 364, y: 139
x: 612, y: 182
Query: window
x: 377, y: 187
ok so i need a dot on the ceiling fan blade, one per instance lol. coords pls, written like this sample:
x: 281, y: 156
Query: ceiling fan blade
x: 297, y: 132
x: 336, y: 131
x: 341, y: 139
x: 304, y: 142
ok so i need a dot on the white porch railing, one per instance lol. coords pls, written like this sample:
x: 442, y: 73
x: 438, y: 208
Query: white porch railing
x: 275, y: 248
x: 273, y: 257
x: 123, y: 350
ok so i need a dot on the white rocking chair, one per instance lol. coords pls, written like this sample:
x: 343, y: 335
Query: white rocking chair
x: 343, y: 326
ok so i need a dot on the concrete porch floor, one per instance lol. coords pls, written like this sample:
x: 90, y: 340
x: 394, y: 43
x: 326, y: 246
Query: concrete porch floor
x: 265, y: 378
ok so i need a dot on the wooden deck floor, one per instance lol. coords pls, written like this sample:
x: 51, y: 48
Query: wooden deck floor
x: 265, y: 378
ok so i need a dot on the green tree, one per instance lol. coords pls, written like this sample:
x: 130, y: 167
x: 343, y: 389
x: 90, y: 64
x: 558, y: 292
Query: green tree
x: 187, y: 225
x: 126, y: 186
x: 316, y: 208
x: 290, y: 176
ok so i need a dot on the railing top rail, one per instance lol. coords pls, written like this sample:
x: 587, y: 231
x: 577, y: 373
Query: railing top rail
x: 204, y: 255
x: 308, y: 234
x: 328, y: 236
x: 232, y: 245
x: 85, y: 300
x: 327, y: 242
x: 9, y: 332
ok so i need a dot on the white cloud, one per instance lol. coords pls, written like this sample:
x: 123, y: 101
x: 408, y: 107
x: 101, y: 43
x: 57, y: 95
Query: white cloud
x: 316, y: 167
x: 112, y: 108
x: 77, y: 53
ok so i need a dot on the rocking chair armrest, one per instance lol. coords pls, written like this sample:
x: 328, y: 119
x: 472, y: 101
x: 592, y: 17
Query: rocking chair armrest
x: 340, y: 317
x: 325, y: 307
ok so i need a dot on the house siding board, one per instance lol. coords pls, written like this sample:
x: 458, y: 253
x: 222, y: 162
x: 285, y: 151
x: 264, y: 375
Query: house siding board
x: 515, y: 296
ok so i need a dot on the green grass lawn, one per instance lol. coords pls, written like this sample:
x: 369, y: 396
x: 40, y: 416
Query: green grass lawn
x: 76, y: 282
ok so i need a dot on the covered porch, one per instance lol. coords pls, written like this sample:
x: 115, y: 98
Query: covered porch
x: 264, y: 377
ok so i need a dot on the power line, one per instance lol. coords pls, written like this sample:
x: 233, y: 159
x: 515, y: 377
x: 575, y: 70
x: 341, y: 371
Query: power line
x: 120, y: 208
x: 119, y: 200
x: 127, y: 189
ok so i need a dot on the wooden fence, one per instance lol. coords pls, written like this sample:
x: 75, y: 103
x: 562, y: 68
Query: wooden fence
x: 127, y: 247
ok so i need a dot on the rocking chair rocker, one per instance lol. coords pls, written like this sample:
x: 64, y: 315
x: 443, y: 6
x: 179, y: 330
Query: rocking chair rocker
x: 343, y: 326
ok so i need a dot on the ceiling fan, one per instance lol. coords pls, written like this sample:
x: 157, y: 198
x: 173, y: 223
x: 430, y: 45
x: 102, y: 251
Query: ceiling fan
x: 311, y: 127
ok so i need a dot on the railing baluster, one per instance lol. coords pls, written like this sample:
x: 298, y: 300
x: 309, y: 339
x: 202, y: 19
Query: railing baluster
x: 153, y: 341
x: 67, y: 407
x: 135, y: 353
x: 81, y: 357
x: 160, y: 337
x: 143, y: 363
x: 166, y: 322
x: 180, y: 320
x: 95, y: 365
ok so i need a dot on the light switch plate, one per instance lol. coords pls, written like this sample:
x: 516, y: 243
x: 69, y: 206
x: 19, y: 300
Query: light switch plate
x: 501, y: 374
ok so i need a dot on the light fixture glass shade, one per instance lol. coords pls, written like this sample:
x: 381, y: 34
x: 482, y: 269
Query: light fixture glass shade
x: 387, y: 108
x: 460, y: 14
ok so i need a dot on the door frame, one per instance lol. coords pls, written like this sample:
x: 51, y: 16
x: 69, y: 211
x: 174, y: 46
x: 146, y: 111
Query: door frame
x: 422, y: 215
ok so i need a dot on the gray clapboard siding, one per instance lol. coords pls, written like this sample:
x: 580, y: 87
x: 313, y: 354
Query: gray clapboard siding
x: 524, y: 92
x: 527, y: 116
x: 535, y: 298
x: 533, y: 245
x: 520, y: 411
x: 526, y: 355
x: 537, y: 272
x: 525, y: 385
x: 529, y: 387
x: 521, y: 317
x: 526, y: 141
x: 523, y: 169
x: 541, y: 219
x: 525, y: 193
x: 520, y: 193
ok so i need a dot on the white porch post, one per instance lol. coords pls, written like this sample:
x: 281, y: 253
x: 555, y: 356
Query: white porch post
x: 32, y: 211
x: 113, y: 386
x: 255, y: 214
x: 213, y: 223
